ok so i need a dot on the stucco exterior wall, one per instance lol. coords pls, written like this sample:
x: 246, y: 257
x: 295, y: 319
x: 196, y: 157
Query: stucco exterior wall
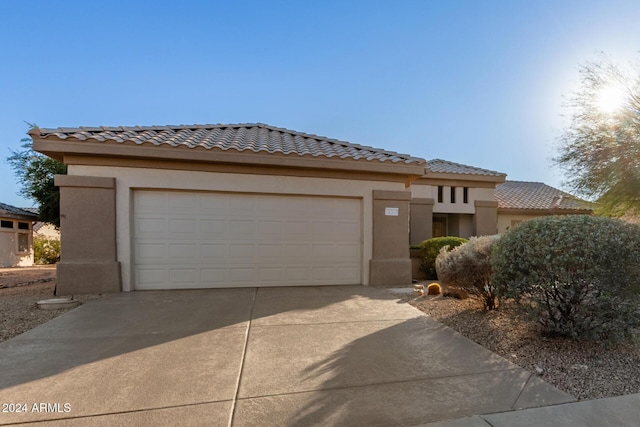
x: 9, y: 254
x: 129, y: 179
x: 431, y: 192
x: 505, y: 220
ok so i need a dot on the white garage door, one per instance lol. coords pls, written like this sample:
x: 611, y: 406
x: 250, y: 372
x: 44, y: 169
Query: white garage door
x: 188, y: 240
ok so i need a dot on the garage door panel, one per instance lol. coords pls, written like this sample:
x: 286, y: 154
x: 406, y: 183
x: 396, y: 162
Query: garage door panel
x: 297, y: 251
x: 151, y: 202
x: 182, y: 226
x: 323, y: 251
x: 213, y: 228
x: 242, y: 227
x: 323, y: 274
x: 212, y: 252
x: 271, y: 275
x: 183, y: 275
x: 242, y: 251
x: 182, y: 202
x: 298, y: 228
x: 184, y: 252
x: 270, y: 252
x: 151, y: 278
x: 348, y: 252
x: 270, y: 229
x: 151, y: 227
x: 243, y: 275
x: 195, y: 240
x: 214, y: 276
x: 349, y: 272
x: 348, y: 231
x: 151, y: 252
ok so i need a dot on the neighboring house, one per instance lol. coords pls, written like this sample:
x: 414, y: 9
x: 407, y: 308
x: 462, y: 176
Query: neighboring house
x: 453, y: 200
x: 16, y: 236
x: 44, y: 229
x: 208, y: 206
x: 519, y: 201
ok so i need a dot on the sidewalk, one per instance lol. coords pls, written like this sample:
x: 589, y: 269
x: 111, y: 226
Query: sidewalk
x: 621, y: 411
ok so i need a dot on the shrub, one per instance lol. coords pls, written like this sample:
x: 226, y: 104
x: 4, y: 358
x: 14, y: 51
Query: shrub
x: 434, y: 289
x: 46, y: 251
x: 578, y: 275
x: 430, y: 250
x: 468, y: 267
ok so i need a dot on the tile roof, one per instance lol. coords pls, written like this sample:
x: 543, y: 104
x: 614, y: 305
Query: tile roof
x: 255, y: 137
x: 537, y: 195
x: 9, y: 211
x: 445, y: 166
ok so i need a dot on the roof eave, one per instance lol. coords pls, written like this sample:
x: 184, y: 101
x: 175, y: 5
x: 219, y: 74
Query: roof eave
x: 465, y: 177
x: 57, y: 149
x: 530, y: 211
x: 19, y: 217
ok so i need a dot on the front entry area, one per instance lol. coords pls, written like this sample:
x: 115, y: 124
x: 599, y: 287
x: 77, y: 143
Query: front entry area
x: 185, y: 240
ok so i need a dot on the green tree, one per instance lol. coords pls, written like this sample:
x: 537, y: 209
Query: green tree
x: 35, y: 173
x: 600, y: 150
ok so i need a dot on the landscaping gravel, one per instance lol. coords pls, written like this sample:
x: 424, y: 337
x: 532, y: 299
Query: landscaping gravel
x: 20, y: 290
x: 583, y: 369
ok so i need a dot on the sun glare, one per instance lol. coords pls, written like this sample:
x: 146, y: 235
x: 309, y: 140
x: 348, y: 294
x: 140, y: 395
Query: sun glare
x: 610, y: 98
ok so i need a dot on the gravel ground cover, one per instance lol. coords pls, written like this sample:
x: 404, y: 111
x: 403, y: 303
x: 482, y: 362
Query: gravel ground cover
x: 584, y: 369
x: 20, y: 290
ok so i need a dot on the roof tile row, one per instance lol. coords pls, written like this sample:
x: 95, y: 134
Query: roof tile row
x: 537, y: 195
x: 255, y: 137
x: 445, y: 166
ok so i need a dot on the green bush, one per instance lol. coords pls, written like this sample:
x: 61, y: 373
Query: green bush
x: 46, y: 251
x: 430, y: 250
x: 468, y: 267
x: 578, y: 275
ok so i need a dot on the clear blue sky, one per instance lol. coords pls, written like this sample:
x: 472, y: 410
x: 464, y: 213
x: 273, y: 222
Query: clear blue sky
x: 475, y: 82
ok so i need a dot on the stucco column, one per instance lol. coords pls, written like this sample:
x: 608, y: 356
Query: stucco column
x: 390, y: 265
x: 88, y: 262
x: 421, y: 220
x: 486, y: 217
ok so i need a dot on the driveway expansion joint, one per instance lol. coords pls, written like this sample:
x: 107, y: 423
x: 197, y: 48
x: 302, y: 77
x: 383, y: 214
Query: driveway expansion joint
x: 232, y: 412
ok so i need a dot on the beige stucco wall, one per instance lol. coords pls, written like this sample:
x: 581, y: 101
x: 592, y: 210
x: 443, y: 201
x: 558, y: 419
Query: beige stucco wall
x: 431, y: 192
x: 504, y: 220
x: 9, y: 255
x: 129, y: 179
x: 461, y: 225
x: 391, y: 265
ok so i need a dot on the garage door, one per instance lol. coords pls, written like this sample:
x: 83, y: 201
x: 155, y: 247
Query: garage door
x: 188, y: 240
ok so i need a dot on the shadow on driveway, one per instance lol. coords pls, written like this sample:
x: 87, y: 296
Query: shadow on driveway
x: 268, y: 356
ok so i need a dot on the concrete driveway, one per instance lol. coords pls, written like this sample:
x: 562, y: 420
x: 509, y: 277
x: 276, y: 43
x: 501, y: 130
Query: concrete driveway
x: 244, y: 357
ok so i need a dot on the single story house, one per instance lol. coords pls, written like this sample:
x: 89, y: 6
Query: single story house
x: 207, y: 206
x: 519, y: 201
x: 16, y: 236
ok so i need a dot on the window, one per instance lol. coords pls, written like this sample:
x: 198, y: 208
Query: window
x: 453, y: 194
x: 6, y: 224
x: 440, y: 191
x: 465, y: 195
x: 23, y: 225
x: 23, y: 242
